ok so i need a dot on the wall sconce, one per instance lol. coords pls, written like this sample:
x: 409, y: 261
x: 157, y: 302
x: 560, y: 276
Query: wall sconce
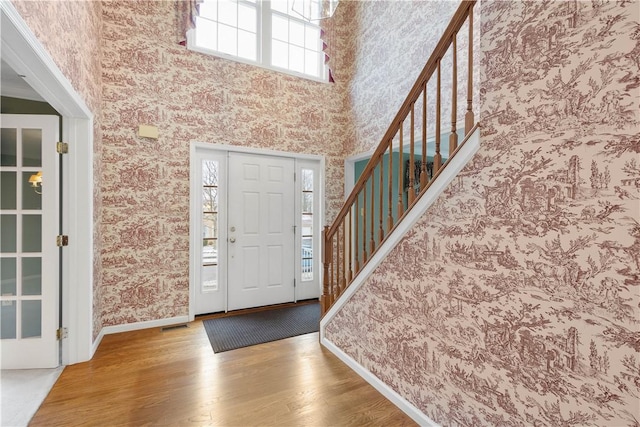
x: 36, y: 182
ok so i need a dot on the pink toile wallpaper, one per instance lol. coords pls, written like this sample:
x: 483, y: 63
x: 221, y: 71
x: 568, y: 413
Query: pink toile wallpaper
x: 515, y: 300
x: 149, y: 79
x: 71, y: 32
x: 382, y: 68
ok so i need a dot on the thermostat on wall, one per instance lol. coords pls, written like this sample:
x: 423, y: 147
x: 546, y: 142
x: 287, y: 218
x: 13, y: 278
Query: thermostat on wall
x: 148, y: 131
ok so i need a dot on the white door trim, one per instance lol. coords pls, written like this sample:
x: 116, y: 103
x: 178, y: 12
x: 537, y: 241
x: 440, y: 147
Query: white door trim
x: 25, y: 54
x: 197, y: 147
x: 251, y: 150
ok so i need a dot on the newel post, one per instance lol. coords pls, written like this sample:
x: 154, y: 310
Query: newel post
x: 326, y: 261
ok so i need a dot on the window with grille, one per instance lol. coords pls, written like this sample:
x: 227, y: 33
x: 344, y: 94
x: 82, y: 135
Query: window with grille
x: 265, y: 33
x: 210, y: 225
x: 307, y: 224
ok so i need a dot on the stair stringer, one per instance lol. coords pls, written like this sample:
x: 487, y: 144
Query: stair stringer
x: 457, y: 162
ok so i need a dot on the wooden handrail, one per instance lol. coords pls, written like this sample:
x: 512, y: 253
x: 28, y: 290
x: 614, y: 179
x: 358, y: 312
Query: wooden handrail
x: 436, y: 175
x: 441, y: 48
x: 341, y: 269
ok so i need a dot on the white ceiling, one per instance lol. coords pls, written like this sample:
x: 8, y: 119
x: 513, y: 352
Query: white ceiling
x: 14, y: 86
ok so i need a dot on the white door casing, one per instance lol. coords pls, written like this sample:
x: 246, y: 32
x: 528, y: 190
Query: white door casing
x: 308, y: 286
x: 30, y: 288
x: 261, y: 230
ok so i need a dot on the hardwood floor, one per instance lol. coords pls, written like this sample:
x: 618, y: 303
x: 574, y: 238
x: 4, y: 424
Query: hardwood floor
x: 172, y: 377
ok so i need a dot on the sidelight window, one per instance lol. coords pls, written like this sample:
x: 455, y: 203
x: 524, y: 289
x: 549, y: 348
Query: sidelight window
x: 307, y: 234
x: 210, y: 207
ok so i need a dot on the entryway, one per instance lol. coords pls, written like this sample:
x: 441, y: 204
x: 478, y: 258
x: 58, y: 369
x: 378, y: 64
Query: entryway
x: 255, y: 228
x: 26, y: 56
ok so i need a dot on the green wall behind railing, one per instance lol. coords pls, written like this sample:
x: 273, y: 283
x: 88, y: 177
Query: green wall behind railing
x: 359, y: 167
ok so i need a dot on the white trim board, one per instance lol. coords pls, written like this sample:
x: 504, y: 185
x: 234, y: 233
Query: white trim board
x: 23, y: 52
x: 128, y: 327
x: 464, y: 155
x: 252, y: 150
x: 148, y: 324
x: 402, y: 403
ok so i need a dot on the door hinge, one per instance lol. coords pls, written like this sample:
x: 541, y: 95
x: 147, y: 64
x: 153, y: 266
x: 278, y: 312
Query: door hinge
x: 62, y: 240
x: 62, y: 147
x: 62, y: 333
x: 294, y: 283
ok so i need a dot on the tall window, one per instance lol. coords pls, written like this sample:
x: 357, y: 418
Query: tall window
x: 307, y: 224
x: 229, y: 27
x: 295, y: 43
x: 209, y: 225
x: 266, y: 33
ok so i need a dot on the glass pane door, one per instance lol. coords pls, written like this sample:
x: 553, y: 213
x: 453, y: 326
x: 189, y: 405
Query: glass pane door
x: 29, y: 185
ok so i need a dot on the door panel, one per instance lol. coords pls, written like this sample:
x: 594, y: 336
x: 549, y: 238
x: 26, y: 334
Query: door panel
x: 29, y: 220
x: 261, y: 257
x: 274, y: 261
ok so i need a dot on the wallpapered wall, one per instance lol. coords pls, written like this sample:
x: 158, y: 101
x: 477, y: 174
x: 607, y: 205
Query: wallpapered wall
x: 390, y: 43
x: 515, y: 300
x: 71, y: 32
x: 149, y: 79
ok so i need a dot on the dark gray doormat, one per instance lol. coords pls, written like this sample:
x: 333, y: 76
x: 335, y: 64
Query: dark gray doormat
x: 229, y: 333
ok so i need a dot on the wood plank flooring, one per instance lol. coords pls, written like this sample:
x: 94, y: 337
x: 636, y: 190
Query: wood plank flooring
x: 172, y: 377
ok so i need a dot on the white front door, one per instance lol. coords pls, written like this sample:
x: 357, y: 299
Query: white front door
x: 260, y: 230
x: 29, y: 222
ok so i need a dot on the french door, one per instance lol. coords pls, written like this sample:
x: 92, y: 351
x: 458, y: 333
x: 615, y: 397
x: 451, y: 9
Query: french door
x: 255, y: 230
x: 29, y: 213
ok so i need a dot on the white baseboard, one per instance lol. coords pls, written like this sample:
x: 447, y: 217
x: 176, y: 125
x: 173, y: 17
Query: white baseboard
x: 403, y: 404
x: 96, y: 343
x: 127, y: 327
x: 457, y: 163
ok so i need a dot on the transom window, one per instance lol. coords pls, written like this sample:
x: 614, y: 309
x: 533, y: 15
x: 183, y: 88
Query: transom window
x: 261, y: 32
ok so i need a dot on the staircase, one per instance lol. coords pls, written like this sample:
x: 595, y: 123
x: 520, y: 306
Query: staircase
x: 401, y: 169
